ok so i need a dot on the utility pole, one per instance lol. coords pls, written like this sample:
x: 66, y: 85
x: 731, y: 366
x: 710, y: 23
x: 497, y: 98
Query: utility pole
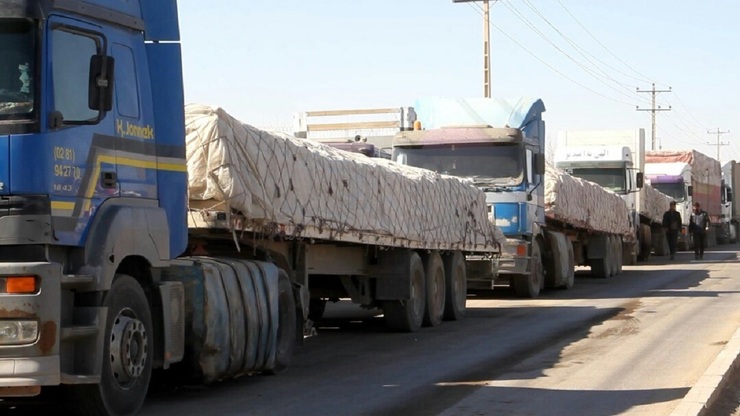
x: 486, y: 43
x: 486, y: 49
x: 719, y: 144
x: 654, y: 109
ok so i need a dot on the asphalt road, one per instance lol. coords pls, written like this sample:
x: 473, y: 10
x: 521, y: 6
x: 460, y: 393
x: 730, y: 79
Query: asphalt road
x: 632, y: 344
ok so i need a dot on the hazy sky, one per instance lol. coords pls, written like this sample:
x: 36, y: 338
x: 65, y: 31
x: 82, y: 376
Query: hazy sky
x: 264, y: 60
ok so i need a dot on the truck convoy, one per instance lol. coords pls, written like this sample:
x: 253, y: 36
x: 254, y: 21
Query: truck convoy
x: 688, y: 176
x: 107, y: 272
x: 615, y: 159
x: 497, y: 145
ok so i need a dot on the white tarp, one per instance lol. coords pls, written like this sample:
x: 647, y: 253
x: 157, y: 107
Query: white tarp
x: 278, y: 183
x: 655, y: 203
x: 584, y: 204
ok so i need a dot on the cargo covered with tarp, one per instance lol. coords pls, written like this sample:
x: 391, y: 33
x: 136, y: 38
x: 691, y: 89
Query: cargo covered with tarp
x: 654, y: 204
x: 284, y: 187
x: 585, y: 205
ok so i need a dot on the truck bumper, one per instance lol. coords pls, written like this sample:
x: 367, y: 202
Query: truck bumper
x: 30, y: 360
x: 514, y: 258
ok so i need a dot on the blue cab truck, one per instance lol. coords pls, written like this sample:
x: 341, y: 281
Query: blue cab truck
x: 497, y: 145
x: 104, y: 275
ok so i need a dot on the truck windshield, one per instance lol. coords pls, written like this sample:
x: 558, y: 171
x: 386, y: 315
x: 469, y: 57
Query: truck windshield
x: 609, y: 178
x: 17, y: 66
x: 674, y: 190
x: 498, y: 163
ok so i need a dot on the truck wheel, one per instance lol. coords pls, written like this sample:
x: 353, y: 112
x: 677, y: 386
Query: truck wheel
x: 660, y: 241
x: 619, y: 253
x: 407, y: 315
x: 456, y: 286
x: 528, y: 286
x: 612, y: 253
x: 127, y: 354
x: 646, y: 245
x: 435, y: 305
x: 286, y: 336
x: 570, y: 279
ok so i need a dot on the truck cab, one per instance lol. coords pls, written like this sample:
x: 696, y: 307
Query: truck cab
x: 674, y: 180
x: 457, y: 138
x: 92, y: 187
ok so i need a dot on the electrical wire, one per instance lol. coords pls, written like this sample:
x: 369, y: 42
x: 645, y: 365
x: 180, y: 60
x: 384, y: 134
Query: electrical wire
x: 550, y: 66
x: 589, y: 71
x: 645, y: 78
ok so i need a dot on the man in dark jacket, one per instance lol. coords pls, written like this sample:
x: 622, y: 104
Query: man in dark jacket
x: 672, y: 225
x: 699, y: 226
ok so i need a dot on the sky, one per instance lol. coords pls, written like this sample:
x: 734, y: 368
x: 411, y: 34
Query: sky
x: 266, y: 60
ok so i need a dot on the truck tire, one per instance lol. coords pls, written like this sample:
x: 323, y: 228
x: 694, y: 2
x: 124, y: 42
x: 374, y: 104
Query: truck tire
x: 456, y: 286
x: 287, y: 321
x: 646, y: 246
x: 407, y: 315
x: 528, y: 285
x: 660, y: 244
x: 612, y: 253
x: 127, y: 354
x: 619, y: 252
x: 434, y: 270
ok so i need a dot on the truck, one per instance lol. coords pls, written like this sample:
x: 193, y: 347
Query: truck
x: 498, y: 145
x: 129, y: 245
x: 688, y: 176
x: 730, y: 219
x: 615, y: 159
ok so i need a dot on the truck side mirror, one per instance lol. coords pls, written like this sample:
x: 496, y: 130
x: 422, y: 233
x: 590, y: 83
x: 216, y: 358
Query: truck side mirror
x: 539, y: 163
x: 729, y: 195
x: 690, y: 190
x: 100, y: 91
x: 640, y: 180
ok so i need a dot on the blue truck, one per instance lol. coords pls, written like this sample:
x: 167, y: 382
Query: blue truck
x: 547, y: 216
x: 105, y: 275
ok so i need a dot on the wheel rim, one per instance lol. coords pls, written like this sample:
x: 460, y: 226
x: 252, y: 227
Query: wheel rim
x: 129, y: 348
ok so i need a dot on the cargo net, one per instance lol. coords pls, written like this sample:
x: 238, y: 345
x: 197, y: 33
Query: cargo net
x: 289, y: 187
x: 584, y: 204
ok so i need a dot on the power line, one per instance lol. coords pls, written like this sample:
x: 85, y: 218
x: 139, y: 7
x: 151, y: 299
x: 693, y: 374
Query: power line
x: 550, y: 66
x: 644, y: 77
x: 581, y: 51
x: 589, y: 71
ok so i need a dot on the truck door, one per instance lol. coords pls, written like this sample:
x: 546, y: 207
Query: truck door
x: 136, y: 172
x: 75, y: 175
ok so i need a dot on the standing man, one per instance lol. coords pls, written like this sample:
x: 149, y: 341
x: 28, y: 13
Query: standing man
x: 699, y: 226
x: 672, y: 225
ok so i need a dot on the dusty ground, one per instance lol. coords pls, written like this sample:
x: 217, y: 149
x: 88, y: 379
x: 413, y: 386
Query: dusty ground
x: 729, y: 402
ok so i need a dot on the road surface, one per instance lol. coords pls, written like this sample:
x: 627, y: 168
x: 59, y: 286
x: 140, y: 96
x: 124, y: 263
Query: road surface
x: 628, y: 345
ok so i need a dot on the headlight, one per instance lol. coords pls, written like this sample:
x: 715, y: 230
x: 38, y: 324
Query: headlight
x: 18, y: 332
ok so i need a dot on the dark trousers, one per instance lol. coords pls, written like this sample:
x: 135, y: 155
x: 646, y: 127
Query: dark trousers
x: 700, y: 241
x: 672, y: 236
